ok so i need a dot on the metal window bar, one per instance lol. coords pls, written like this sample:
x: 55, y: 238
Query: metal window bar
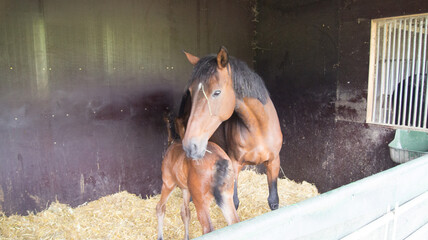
x: 393, y: 64
x: 382, y: 77
x: 418, y: 72
x: 406, y: 85
x: 397, y: 71
x: 425, y: 77
x: 409, y: 117
x: 400, y: 116
x: 399, y: 94
x: 377, y: 72
x: 387, y: 77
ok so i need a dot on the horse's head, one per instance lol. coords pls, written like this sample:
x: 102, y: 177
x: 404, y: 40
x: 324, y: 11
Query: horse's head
x: 213, y: 100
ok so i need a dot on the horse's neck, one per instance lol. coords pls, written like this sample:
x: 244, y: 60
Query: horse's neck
x: 253, y: 114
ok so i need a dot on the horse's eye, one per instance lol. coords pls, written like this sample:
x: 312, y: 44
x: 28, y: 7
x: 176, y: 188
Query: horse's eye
x: 216, y: 93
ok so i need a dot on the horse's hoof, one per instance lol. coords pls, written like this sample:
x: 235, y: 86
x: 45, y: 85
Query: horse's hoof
x: 273, y: 206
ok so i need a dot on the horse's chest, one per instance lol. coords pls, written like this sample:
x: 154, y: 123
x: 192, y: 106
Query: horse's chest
x: 256, y: 156
x: 251, y: 147
x: 250, y: 150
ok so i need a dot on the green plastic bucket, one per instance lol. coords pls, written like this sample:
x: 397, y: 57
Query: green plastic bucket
x: 408, y: 145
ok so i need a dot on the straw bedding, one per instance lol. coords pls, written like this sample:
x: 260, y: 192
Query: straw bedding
x: 127, y: 216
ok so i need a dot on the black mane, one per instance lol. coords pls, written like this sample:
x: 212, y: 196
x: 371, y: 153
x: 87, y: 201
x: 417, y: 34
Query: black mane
x: 246, y: 82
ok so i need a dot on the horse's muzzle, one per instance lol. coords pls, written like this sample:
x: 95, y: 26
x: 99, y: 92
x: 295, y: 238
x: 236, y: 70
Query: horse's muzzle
x: 195, y: 149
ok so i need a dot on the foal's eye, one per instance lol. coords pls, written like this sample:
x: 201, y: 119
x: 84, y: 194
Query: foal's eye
x: 216, y: 93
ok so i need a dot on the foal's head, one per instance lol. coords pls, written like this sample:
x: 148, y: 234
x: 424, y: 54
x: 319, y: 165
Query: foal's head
x: 213, y: 100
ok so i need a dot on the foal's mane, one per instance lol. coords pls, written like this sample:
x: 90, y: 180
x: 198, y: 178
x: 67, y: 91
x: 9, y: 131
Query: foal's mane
x: 246, y: 82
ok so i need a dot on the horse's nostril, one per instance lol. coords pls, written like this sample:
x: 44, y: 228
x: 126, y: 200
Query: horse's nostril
x: 194, y: 147
x: 190, y: 149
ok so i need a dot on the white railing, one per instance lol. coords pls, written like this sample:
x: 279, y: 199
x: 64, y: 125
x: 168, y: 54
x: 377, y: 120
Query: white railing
x: 392, y: 204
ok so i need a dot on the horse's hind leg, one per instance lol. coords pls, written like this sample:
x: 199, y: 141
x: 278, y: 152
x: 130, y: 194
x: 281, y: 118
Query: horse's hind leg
x: 228, y: 208
x: 224, y: 190
x: 202, y: 205
x: 185, y: 212
x: 161, y: 207
x: 272, y: 171
x: 235, y: 194
x: 236, y: 168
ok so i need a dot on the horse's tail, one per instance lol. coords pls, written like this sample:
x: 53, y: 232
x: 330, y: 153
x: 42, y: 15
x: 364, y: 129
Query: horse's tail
x: 221, y: 175
x: 166, y: 119
x: 170, y: 127
x: 185, y: 107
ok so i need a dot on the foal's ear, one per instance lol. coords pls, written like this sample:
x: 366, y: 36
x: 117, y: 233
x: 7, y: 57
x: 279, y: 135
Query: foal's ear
x: 222, y: 57
x: 192, y: 59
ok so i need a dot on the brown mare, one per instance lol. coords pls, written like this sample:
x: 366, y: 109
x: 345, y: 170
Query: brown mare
x: 204, y: 179
x: 224, y: 89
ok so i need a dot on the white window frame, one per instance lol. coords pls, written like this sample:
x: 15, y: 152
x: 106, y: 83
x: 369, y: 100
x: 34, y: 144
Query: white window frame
x: 395, y: 65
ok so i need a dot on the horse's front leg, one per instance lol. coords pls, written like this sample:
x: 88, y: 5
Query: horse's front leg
x: 272, y: 171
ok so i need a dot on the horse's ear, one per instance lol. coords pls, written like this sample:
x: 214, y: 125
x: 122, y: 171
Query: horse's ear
x: 192, y: 59
x: 222, y: 57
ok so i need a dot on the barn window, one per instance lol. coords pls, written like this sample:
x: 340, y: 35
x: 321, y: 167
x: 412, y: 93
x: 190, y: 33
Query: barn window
x: 397, y: 91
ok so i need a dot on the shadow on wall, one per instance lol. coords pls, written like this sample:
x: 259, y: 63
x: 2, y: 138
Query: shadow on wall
x: 81, y: 144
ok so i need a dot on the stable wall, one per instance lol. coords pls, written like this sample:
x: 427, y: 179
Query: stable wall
x: 84, y: 86
x: 314, y: 56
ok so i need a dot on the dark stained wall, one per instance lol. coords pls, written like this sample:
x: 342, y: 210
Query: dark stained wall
x: 369, y: 141
x: 297, y: 56
x: 314, y: 56
x: 84, y: 85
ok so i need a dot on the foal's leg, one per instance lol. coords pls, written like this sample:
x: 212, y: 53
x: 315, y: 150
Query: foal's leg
x: 161, y: 207
x: 185, y: 212
x: 272, y: 171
